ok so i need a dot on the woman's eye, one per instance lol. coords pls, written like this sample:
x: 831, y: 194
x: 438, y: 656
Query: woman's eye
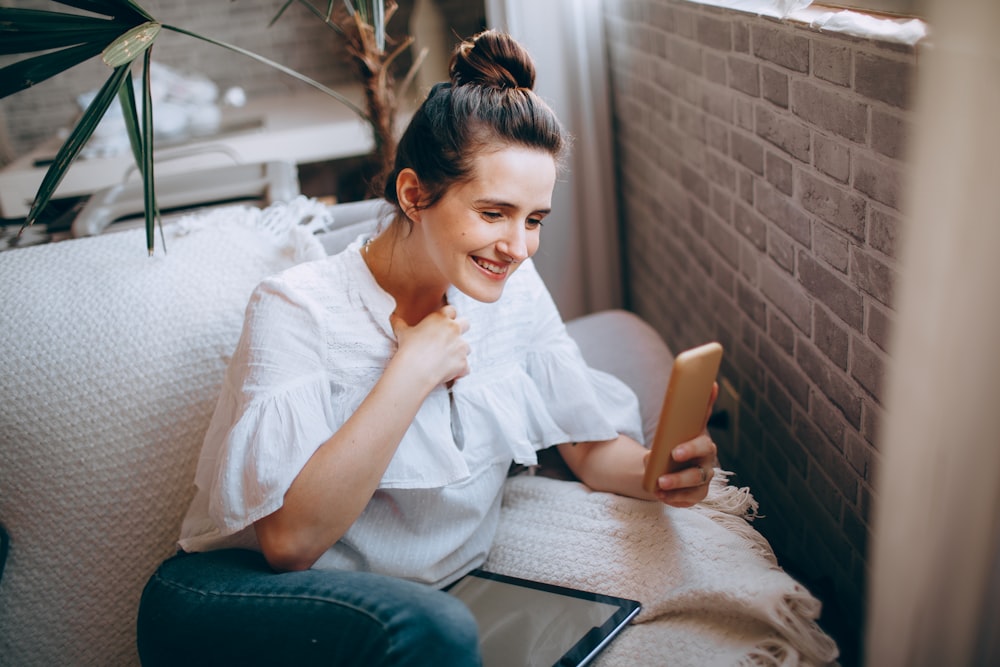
x: 533, y: 223
x: 492, y: 215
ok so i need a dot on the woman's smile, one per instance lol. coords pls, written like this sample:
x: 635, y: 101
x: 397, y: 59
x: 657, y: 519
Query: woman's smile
x: 494, y: 270
x: 492, y: 221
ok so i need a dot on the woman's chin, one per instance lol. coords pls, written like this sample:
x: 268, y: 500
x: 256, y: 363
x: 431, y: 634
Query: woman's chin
x: 483, y: 295
x: 481, y: 285
x: 486, y: 291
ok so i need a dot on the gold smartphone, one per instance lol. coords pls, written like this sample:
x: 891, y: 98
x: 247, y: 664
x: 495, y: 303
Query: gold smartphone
x: 685, y: 408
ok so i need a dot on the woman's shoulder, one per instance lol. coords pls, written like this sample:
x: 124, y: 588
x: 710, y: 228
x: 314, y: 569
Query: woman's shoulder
x: 318, y: 278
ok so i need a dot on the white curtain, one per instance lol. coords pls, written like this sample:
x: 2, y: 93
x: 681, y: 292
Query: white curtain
x: 934, y: 592
x: 579, y: 257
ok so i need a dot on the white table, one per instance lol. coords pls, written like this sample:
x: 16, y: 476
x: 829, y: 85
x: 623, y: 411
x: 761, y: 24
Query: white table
x: 301, y: 127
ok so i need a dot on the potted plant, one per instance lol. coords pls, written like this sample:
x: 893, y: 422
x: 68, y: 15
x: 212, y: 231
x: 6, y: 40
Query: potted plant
x: 122, y: 33
x: 372, y: 51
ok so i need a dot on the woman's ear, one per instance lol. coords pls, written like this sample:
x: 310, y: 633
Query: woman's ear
x: 408, y: 193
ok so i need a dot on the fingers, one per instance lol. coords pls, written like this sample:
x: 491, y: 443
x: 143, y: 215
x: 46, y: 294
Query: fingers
x: 435, y: 347
x: 452, y: 314
x: 398, y: 324
x: 689, y: 486
x: 701, y: 447
x: 686, y: 487
x: 691, y: 477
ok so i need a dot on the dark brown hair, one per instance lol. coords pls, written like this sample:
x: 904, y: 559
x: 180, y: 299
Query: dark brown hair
x: 488, y: 103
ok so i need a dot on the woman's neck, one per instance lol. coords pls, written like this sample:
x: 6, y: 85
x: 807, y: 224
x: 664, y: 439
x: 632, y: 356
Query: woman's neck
x: 400, y: 268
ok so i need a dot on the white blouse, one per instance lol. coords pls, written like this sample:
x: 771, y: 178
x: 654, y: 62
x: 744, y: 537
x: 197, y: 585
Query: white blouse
x: 315, y: 340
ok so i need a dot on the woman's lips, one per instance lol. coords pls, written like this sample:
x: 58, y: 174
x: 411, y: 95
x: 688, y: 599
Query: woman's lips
x: 494, y: 270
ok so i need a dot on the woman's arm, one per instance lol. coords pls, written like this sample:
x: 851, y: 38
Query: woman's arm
x: 617, y: 466
x: 339, y: 479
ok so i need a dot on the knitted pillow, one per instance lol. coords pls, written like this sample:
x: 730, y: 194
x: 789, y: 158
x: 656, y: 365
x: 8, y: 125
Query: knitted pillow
x: 112, y: 362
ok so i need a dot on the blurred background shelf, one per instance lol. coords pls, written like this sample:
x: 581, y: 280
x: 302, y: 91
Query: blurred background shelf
x: 304, y: 127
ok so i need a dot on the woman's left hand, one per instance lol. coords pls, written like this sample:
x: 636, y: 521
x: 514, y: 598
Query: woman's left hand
x: 688, y: 486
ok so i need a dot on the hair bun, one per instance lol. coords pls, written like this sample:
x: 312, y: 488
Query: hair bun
x: 492, y: 59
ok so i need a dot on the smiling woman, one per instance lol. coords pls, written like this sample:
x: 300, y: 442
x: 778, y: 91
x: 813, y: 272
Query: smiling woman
x: 474, y: 237
x: 377, y: 399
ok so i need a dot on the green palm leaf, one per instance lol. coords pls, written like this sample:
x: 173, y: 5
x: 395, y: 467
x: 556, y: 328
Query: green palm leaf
x: 127, y: 47
x: 148, y: 188
x: 126, y: 97
x: 116, y: 8
x: 74, y: 144
x: 120, y: 31
x: 137, y: 140
x: 28, y: 30
x: 25, y: 42
x: 25, y: 73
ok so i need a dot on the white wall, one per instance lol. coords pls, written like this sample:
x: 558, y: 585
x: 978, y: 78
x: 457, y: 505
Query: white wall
x: 934, y: 582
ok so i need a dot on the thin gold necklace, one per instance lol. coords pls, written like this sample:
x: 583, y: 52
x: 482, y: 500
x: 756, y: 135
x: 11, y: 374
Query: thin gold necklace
x: 364, y: 254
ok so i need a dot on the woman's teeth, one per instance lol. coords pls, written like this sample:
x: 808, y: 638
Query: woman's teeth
x: 491, y: 267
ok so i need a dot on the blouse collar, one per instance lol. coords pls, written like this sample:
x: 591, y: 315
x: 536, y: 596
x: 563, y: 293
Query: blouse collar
x: 379, y: 303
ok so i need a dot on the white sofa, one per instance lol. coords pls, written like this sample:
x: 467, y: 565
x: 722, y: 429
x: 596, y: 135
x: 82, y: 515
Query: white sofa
x: 112, y: 361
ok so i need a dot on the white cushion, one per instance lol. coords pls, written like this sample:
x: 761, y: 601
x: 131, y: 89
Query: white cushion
x: 623, y: 344
x: 112, y: 362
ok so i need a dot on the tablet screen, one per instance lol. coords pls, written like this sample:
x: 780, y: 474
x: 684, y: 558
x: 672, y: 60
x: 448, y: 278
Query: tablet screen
x: 529, y: 623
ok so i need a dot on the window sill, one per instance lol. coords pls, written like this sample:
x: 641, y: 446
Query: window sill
x: 843, y: 21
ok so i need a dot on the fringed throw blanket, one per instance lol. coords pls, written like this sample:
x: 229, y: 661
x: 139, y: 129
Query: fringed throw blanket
x: 710, y: 587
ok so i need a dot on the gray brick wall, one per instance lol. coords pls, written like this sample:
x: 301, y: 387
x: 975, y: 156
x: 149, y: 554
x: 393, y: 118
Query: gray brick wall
x: 760, y: 175
x: 298, y: 40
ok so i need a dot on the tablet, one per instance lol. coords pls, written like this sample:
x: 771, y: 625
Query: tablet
x: 533, y: 624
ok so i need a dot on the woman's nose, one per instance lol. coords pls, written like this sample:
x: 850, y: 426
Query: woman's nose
x: 514, y: 244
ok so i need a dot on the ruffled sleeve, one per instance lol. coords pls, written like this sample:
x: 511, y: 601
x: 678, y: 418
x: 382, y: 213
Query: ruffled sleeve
x: 274, y: 411
x: 529, y: 386
x: 587, y: 403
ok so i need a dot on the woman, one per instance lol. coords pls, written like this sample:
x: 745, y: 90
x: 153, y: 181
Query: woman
x: 377, y: 399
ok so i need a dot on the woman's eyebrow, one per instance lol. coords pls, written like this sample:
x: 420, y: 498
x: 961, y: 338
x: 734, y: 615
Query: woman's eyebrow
x: 499, y: 203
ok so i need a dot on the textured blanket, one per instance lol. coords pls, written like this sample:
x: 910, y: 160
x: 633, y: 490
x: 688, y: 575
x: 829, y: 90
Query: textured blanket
x: 710, y: 588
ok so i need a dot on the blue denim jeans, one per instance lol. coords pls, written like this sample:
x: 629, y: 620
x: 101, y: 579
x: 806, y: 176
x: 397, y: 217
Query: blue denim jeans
x: 229, y: 608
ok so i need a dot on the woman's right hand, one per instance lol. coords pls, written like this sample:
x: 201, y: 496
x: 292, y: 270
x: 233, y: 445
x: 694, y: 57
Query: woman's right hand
x: 434, y: 347
x: 343, y: 475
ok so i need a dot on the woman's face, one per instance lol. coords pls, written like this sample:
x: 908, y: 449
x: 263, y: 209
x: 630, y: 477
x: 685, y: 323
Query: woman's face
x: 480, y: 231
